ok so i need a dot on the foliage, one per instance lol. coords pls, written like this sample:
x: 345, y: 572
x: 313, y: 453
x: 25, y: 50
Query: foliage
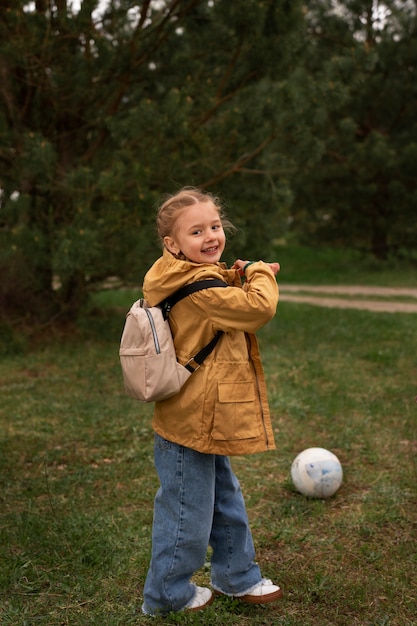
x: 102, y: 112
x: 362, y: 192
x: 299, y: 115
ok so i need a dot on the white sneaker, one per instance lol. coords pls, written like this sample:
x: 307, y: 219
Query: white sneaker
x: 203, y: 597
x: 263, y: 592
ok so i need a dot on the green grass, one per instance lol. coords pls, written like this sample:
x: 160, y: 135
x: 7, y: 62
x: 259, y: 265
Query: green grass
x: 77, y: 478
x: 321, y: 266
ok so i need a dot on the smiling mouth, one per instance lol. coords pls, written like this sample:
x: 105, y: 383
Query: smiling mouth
x: 210, y: 250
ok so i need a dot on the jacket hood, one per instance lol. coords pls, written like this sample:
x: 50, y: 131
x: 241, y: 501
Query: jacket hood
x: 168, y: 274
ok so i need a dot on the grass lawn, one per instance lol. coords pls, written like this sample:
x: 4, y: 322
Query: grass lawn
x: 77, y: 478
x: 321, y: 266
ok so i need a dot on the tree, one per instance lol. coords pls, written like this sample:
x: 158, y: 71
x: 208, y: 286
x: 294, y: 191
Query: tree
x: 362, y: 193
x: 102, y: 110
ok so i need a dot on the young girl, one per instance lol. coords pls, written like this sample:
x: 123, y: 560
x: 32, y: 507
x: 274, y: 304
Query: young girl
x: 221, y: 410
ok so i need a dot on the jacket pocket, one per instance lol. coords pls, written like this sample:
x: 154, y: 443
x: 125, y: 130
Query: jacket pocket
x: 236, y: 411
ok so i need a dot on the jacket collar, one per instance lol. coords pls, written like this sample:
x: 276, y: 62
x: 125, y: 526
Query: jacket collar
x: 168, y: 274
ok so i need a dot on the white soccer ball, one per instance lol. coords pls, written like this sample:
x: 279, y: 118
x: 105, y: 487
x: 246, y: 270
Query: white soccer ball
x: 316, y: 473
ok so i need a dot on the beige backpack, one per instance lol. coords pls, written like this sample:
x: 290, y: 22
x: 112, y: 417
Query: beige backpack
x: 150, y: 368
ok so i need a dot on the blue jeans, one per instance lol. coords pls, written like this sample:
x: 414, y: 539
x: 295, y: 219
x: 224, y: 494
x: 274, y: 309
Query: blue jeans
x: 199, y: 503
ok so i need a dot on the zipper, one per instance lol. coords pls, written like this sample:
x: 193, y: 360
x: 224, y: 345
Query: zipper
x: 262, y: 409
x: 154, y: 333
x: 260, y: 401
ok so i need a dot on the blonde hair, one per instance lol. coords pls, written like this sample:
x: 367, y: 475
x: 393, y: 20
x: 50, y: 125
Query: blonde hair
x: 187, y: 196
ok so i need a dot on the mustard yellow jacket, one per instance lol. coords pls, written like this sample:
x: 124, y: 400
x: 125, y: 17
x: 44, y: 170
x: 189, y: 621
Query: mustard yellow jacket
x: 223, y: 406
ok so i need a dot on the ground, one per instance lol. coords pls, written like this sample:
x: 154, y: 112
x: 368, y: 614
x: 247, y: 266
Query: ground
x: 383, y: 299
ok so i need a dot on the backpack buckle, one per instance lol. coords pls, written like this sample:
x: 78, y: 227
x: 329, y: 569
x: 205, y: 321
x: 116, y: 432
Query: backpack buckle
x: 192, y: 365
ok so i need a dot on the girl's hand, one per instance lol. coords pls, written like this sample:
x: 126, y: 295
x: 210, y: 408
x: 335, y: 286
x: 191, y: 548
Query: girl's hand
x: 239, y: 265
x: 275, y: 267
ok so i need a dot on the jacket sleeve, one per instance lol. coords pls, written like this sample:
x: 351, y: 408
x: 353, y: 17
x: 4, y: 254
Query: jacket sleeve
x: 234, y: 308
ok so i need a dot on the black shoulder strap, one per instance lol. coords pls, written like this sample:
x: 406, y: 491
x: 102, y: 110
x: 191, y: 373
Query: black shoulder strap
x: 193, y: 287
x: 185, y: 291
x: 195, y: 362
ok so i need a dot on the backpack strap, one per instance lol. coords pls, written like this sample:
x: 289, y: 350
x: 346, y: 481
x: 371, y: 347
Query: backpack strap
x: 185, y: 291
x: 192, y: 288
x: 204, y: 352
x: 194, y: 363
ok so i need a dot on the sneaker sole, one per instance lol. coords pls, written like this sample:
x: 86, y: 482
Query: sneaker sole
x: 251, y: 599
x: 270, y: 597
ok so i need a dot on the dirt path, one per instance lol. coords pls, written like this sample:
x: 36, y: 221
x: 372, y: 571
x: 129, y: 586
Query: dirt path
x: 385, y: 299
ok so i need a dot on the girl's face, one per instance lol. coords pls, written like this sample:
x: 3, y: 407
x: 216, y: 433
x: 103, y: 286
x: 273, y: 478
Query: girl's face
x: 198, y: 234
